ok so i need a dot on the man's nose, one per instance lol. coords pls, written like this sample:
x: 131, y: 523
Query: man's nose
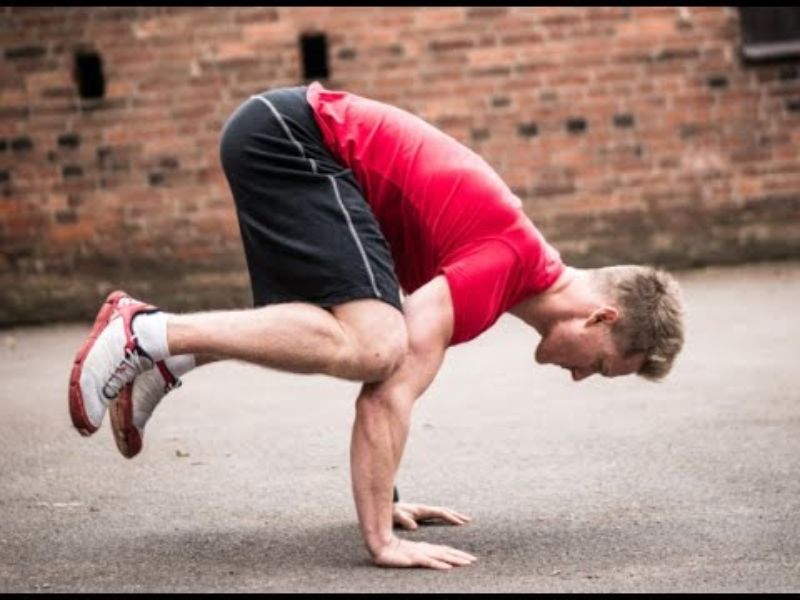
x: 578, y: 374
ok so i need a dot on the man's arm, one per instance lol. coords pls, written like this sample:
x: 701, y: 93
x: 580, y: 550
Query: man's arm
x: 383, y: 415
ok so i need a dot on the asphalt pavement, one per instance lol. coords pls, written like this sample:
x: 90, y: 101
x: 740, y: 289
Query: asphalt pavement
x: 604, y: 485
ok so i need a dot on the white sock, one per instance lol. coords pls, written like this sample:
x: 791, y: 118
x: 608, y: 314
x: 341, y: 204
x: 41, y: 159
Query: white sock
x: 181, y: 364
x: 150, y: 330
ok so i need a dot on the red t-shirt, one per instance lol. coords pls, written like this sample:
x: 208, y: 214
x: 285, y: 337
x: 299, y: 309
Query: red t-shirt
x: 441, y: 207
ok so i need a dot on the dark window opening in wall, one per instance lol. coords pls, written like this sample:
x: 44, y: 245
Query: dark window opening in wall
x: 314, y: 47
x: 89, y: 73
x: 770, y: 32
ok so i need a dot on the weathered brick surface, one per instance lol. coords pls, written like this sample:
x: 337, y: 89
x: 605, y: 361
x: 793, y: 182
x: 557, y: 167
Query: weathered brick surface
x: 631, y: 134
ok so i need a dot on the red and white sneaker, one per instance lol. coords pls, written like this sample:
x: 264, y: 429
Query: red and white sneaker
x: 130, y: 413
x: 108, y: 360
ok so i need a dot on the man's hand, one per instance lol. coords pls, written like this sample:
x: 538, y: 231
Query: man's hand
x: 403, y: 553
x: 408, y: 515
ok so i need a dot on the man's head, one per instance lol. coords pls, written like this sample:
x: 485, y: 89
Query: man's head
x: 631, y: 323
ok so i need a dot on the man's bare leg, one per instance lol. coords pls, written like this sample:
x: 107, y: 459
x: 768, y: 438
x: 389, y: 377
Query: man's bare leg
x: 357, y: 340
x: 361, y: 340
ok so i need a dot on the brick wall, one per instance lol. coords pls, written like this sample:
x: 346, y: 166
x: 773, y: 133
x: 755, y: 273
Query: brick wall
x: 631, y: 135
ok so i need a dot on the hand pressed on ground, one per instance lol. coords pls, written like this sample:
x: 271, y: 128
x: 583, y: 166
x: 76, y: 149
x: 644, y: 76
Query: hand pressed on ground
x: 404, y: 553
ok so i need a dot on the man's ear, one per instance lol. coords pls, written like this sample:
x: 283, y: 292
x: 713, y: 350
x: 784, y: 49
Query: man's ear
x: 605, y: 314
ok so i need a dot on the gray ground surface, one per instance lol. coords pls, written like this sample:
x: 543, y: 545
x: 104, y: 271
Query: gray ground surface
x: 243, y: 484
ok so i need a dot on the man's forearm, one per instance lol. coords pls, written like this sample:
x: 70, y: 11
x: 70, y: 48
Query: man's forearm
x: 379, y: 435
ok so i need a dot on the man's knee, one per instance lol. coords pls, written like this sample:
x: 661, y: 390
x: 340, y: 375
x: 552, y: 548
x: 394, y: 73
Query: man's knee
x: 377, y: 339
x: 384, y: 353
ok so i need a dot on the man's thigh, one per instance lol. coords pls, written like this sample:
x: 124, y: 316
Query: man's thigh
x: 374, y: 324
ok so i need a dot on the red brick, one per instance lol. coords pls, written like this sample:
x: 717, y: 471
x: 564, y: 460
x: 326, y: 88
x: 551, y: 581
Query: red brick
x: 439, y: 17
x: 483, y: 57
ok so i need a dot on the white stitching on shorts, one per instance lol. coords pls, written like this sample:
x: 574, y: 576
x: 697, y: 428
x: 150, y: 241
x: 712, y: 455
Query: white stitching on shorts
x: 288, y: 131
x: 355, y: 235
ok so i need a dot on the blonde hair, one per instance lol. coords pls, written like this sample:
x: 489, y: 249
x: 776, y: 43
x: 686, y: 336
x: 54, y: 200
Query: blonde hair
x: 651, y: 315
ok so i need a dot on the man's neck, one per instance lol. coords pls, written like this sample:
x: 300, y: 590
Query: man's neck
x: 567, y: 298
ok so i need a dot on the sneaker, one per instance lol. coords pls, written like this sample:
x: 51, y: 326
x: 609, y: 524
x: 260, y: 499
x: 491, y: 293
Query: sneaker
x: 108, y: 360
x: 130, y: 413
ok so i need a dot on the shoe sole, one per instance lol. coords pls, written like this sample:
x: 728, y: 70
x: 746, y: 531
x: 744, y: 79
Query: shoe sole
x: 77, y: 410
x: 126, y: 435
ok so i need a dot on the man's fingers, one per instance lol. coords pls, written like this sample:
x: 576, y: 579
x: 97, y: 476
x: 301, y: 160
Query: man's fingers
x: 441, y: 557
x: 406, y: 522
x: 459, y: 561
x: 445, y: 514
x: 451, y: 517
x: 437, y: 564
x: 459, y: 519
x: 461, y: 554
x: 453, y: 556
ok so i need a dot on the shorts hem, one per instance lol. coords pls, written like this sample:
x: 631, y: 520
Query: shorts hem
x: 333, y: 299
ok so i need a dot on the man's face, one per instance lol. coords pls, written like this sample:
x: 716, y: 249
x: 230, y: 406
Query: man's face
x: 585, y: 347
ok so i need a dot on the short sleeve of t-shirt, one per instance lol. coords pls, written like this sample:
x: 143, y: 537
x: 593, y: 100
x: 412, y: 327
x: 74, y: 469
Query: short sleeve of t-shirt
x: 480, y: 283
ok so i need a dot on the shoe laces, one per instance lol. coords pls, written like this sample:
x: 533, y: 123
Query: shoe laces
x: 171, y: 385
x: 133, y: 363
x: 170, y: 381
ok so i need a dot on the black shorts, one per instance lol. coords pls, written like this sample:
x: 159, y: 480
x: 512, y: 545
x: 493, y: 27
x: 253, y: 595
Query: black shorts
x: 308, y: 233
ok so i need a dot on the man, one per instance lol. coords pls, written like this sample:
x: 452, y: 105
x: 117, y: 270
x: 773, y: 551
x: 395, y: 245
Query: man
x: 342, y: 201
